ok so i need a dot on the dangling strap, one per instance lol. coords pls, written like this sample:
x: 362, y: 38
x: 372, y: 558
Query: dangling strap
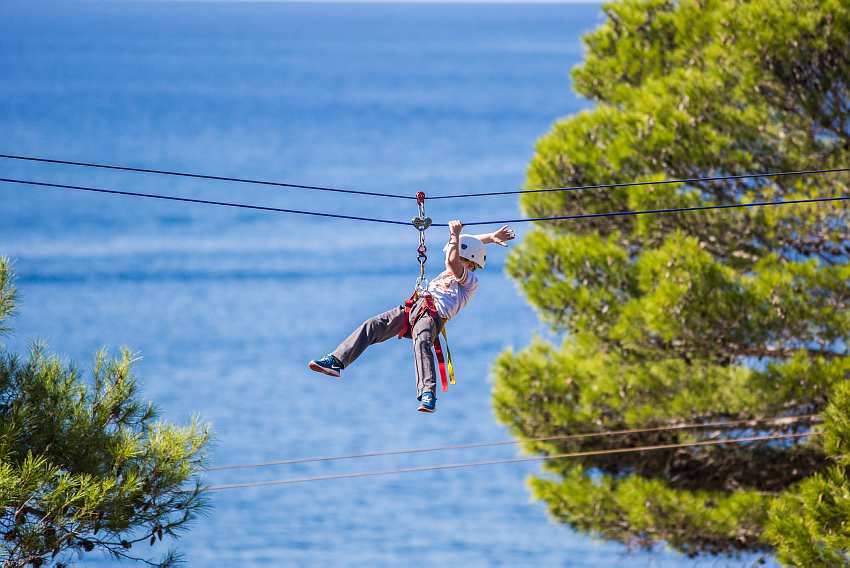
x: 441, y: 362
x: 448, y: 356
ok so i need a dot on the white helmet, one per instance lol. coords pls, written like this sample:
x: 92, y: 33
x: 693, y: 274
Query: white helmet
x: 472, y: 249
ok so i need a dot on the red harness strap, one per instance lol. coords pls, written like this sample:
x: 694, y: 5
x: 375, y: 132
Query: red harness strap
x: 408, y: 305
x: 426, y: 306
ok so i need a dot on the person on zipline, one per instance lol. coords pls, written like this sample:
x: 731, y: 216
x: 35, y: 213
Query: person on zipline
x: 450, y: 291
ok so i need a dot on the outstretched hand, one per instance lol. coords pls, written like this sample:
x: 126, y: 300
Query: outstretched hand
x: 503, y: 235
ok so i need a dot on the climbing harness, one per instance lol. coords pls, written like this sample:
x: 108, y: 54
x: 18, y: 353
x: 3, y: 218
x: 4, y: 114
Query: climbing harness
x: 426, y: 305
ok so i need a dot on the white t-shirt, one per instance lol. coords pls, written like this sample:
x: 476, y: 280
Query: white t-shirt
x: 450, y: 295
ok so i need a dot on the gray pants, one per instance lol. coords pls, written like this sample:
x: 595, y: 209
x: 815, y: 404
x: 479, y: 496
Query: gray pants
x: 388, y: 325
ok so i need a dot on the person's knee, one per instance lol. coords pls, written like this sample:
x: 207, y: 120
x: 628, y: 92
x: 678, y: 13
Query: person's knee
x: 374, y: 325
x: 424, y: 326
x: 423, y: 335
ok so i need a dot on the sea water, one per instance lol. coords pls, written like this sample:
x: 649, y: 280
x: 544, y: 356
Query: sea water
x: 226, y: 306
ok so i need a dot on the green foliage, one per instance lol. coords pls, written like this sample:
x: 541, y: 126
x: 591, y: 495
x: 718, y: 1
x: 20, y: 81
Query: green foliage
x: 88, y: 467
x: 811, y: 524
x: 7, y: 293
x: 638, y: 509
x: 697, y: 317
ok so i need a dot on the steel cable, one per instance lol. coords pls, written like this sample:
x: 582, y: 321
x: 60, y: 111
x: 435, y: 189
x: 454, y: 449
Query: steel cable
x: 202, y: 201
x: 589, y: 453
x: 201, y: 176
x: 784, y: 421
x: 654, y: 211
x: 408, y: 223
x: 638, y: 183
x: 398, y: 196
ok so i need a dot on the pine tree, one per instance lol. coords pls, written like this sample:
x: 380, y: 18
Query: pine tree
x: 696, y: 317
x: 84, y: 465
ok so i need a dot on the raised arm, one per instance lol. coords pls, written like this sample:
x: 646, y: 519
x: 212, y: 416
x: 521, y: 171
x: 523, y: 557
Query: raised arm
x: 453, y: 263
x: 497, y: 237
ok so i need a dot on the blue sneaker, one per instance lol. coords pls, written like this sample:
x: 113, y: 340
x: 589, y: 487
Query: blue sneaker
x: 428, y: 402
x: 328, y: 365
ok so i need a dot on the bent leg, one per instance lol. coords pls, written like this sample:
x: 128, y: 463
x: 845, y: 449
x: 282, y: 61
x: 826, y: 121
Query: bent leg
x: 423, y: 355
x: 373, y: 330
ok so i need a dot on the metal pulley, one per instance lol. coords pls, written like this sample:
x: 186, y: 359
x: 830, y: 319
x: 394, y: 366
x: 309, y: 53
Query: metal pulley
x: 422, y: 222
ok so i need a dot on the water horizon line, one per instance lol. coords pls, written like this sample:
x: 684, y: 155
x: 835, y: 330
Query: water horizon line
x: 412, y: 2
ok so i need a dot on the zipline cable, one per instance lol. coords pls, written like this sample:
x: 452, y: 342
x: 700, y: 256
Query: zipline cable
x: 655, y: 211
x: 202, y: 201
x: 588, y: 453
x: 201, y: 176
x: 407, y: 223
x: 397, y: 196
x: 784, y: 421
x: 637, y: 183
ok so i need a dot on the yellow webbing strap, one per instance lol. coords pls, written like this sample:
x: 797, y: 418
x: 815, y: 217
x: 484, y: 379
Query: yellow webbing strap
x: 448, y: 355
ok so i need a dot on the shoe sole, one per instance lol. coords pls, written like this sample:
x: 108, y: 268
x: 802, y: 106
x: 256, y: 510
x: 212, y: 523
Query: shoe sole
x: 428, y: 410
x: 319, y: 369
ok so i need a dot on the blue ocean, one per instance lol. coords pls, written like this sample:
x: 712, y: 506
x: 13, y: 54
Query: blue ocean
x: 226, y: 306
